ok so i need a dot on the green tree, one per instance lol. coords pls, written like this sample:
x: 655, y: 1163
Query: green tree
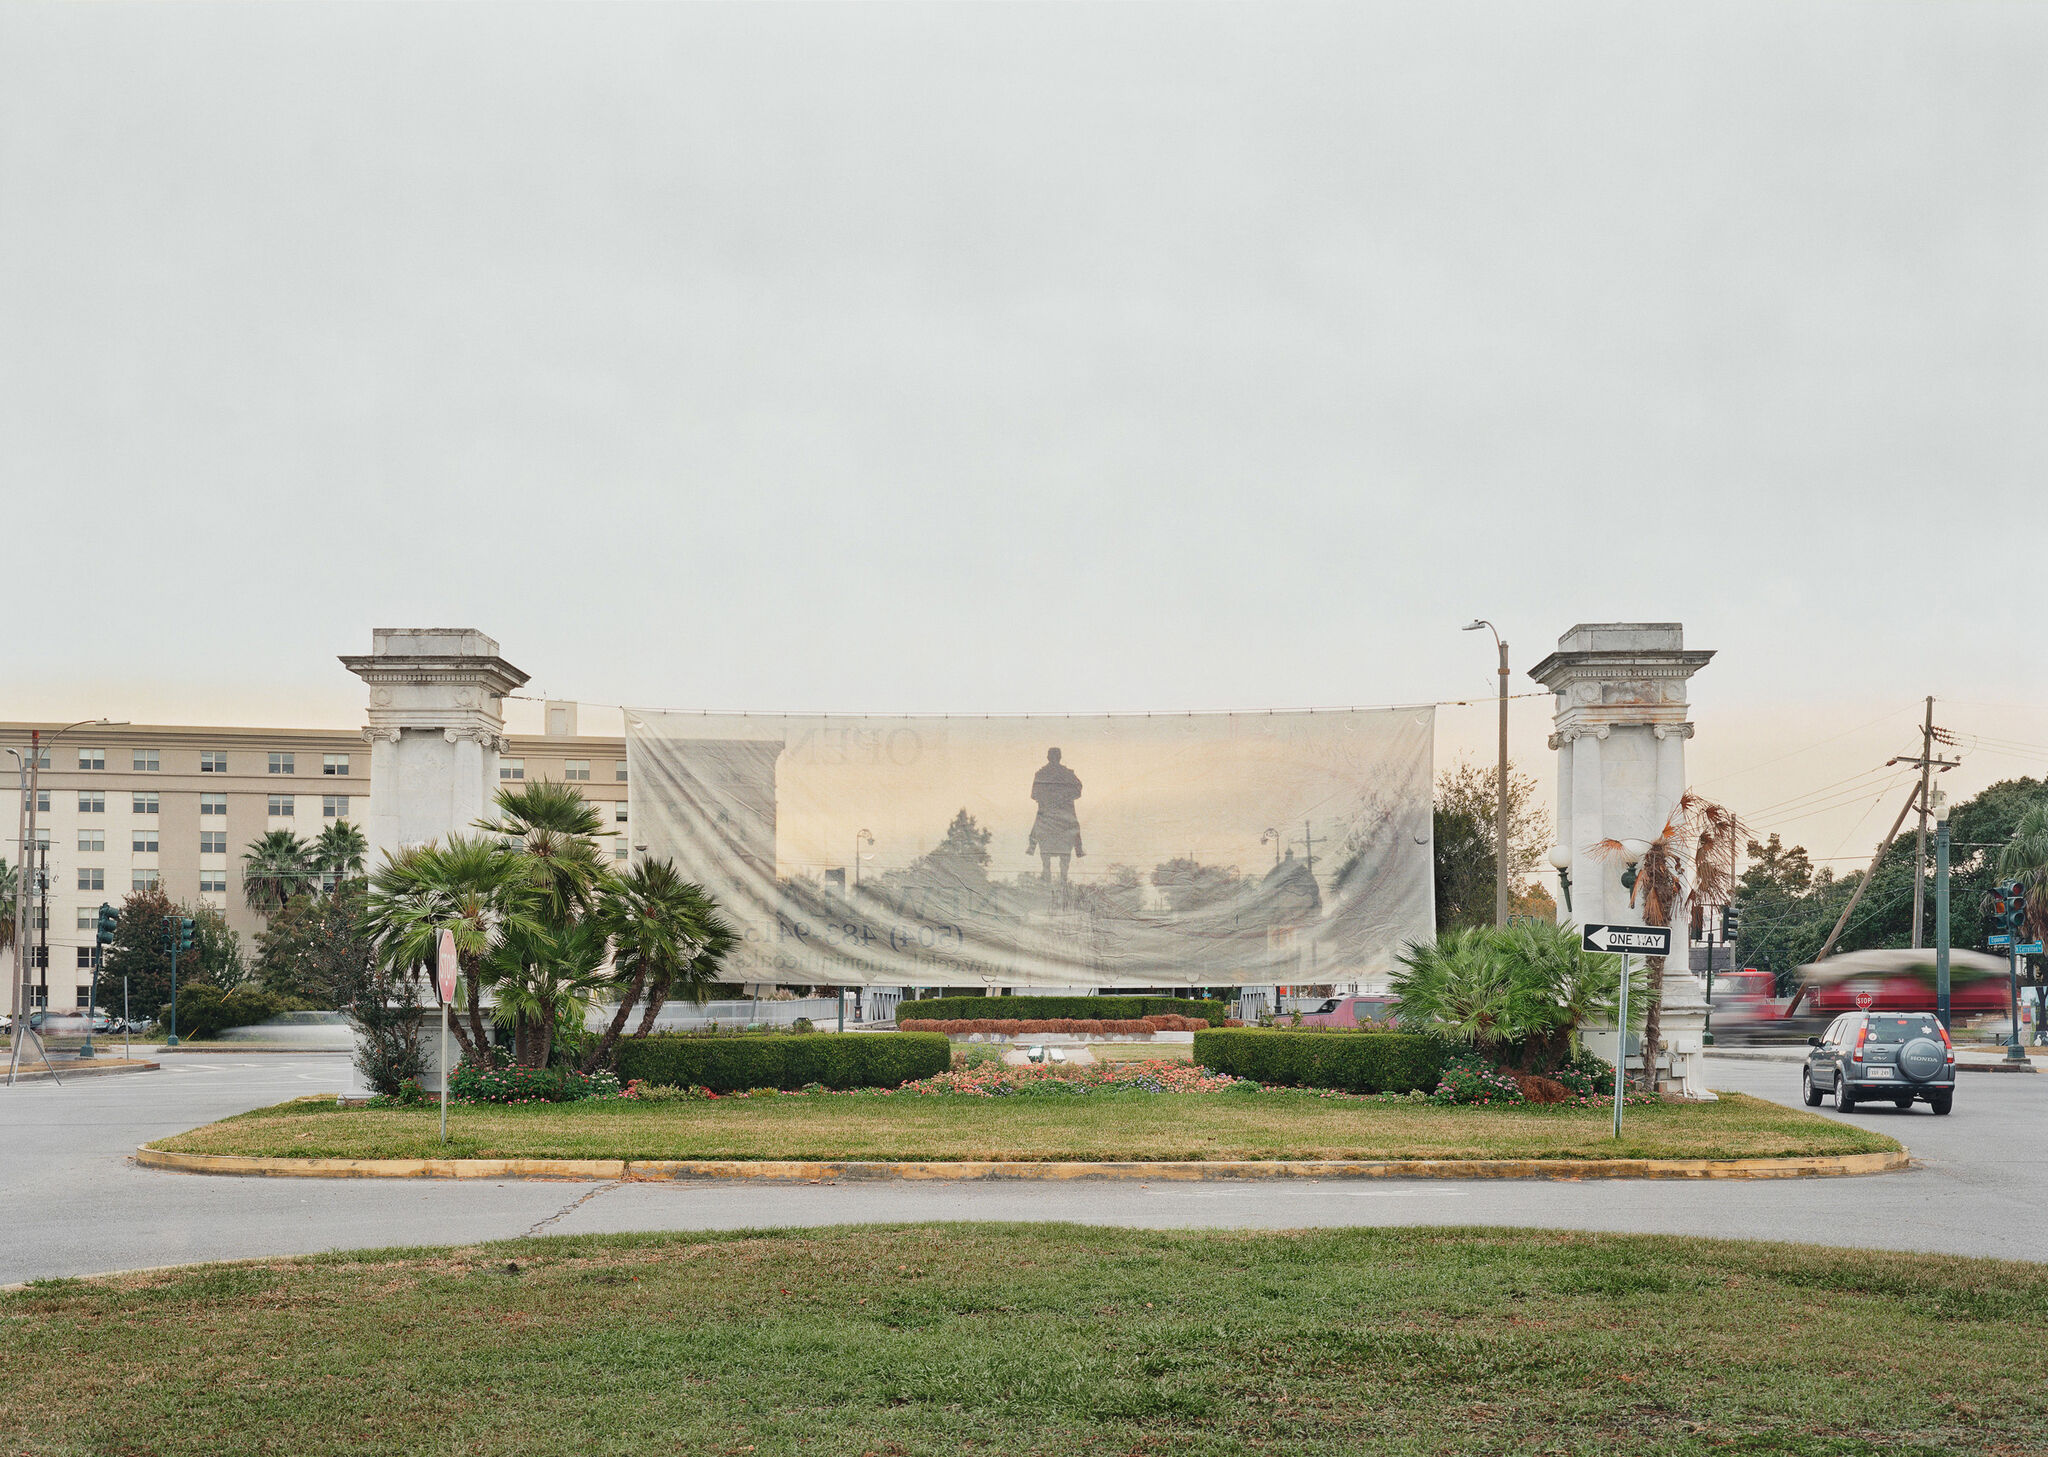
x: 10, y: 887
x: 667, y: 938
x: 1517, y: 993
x: 341, y: 850
x: 141, y: 953
x: 218, y: 947
x: 277, y: 866
x: 2025, y: 858
x: 547, y: 963
x: 318, y: 949
x: 472, y: 886
x: 1467, y: 789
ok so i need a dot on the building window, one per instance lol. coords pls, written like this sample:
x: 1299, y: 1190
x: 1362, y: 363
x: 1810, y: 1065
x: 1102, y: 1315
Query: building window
x: 213, y: 761
x: 329, y: 880
x: 144, y: 843
x: 282, y: 806
x: 145, y: 804
x: 97, y: 840
x: 213, y: 882
x: 619, y: 773
x: 85, y: 995
x: 335, y: 807
x: 575, y: 768
x: 619, y: 853
x: 215, y: 842
x: 92, y: 877
x: 43, y: 836
x: 619, y: 818
x: 89, y: 957
x: 334, y: 764
x: 516, y: 769
x: 92, y: 801
x: 143, y: 880
x: 41, y: 962
x: 282, y: 763
x: 88, y: 918
x: 42, y: 800
x: 92, y: 758
x: 213, y: 804
x: 145, y: 760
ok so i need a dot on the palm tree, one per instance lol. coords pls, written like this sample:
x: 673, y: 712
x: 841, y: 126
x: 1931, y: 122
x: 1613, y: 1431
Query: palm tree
x: 666, y: 937
x: 1688, y: 860
x: 474, y: 887
x: 341, y: 850
x: 549, y: 827
x: 10, y: 887
x: 277, y: 866
x: 2025, y: 858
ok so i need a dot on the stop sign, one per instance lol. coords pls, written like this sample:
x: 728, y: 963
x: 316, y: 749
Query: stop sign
x: 1863, y: 1000
x: 447, y: 967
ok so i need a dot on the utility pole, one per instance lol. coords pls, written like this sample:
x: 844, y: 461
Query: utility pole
x: 1926, y: 763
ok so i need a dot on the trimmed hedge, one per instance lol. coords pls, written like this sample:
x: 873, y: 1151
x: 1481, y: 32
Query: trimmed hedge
x: 1357, y: 1062
x: 784, y: 1060
x: 205, y: 1010
x: 1049, y: 1009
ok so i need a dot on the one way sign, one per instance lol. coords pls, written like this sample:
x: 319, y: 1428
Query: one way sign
x: 1639, y: 940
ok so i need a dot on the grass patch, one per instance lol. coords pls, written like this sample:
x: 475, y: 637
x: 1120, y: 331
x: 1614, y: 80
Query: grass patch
x: 1268, y: 1125
x: 1042, y: 1339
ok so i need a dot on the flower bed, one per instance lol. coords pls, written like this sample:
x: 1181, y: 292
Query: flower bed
x: 992, y: 1080
x: 528, y: 1085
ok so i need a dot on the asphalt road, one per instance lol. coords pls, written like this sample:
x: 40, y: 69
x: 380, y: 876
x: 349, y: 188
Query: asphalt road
x: 72, y: 1202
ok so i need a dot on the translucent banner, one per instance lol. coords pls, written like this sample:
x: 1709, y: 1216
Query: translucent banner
x: 1119, y: 851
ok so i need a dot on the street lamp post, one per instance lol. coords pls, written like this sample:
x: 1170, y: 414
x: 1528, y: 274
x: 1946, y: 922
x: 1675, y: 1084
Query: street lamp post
x: 863, y: 838
x: 1500, y: 809
x: 1941, y: 845
x: 30, y: 767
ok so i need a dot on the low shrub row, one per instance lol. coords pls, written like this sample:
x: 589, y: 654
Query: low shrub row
x: 1362, y: 1062
x: 473, y: 1084
x: 1050, y: 1009
x: 1054, y: 1024
x: 207, y: 1011
x: 785, y: 1060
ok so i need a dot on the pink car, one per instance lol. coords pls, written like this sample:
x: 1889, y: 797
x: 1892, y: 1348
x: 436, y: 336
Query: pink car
x: 1350, y: 1011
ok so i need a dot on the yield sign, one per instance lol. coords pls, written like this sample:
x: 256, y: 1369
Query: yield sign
x: 1641, y: 940
x: 447, y: 967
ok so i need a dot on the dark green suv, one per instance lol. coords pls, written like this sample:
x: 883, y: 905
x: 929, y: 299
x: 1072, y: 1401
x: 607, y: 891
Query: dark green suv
x: 1891, y: 1057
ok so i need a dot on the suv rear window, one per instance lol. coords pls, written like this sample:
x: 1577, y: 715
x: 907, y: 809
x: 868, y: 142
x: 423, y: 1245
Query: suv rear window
x: 1902, y: 1029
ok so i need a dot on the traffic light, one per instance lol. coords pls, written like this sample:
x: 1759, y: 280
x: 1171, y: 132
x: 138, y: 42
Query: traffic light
x: 2016, y: 906
x: 109, y: 919
x: 186, y: 927
x: 1731, y: 923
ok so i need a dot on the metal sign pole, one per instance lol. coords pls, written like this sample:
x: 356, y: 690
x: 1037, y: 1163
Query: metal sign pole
x: 1621, y: 1049
x: 444, y: 1070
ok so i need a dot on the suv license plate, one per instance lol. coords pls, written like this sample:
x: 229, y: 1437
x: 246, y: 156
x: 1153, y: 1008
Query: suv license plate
x: 1877, y: 1072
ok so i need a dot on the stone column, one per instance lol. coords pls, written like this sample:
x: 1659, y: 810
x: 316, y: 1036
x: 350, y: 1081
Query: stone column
x: 1620, y: 732
x: 436, y: 727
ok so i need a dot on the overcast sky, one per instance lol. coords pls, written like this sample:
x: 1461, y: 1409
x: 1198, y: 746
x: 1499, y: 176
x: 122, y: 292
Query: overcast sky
x: 973, y: 357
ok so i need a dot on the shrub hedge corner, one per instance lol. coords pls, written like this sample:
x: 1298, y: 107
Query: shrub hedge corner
x: 1356, y: 1062
x: 785, y: 1060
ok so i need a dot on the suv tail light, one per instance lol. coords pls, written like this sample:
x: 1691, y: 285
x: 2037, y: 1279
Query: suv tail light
x: 1945, y: 1041
x: 1856, y: 1055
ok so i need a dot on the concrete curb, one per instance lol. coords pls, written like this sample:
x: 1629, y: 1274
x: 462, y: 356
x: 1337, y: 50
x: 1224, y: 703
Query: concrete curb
x: 686, y: 1170
x: 97, y: 1068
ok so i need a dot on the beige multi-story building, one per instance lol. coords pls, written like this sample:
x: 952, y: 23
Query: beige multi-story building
x: 123, y: 808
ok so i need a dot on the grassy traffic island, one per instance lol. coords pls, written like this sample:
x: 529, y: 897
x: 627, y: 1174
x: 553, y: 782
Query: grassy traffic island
x: 1043, y: 1339
x: 1239, y: 1123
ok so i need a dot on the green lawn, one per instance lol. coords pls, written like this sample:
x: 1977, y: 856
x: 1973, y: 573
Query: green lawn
x: 1269, y: 1125
x: 1041, y: 1339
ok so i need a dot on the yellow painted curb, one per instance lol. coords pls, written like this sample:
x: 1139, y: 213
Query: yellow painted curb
x: 680, y: 1170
